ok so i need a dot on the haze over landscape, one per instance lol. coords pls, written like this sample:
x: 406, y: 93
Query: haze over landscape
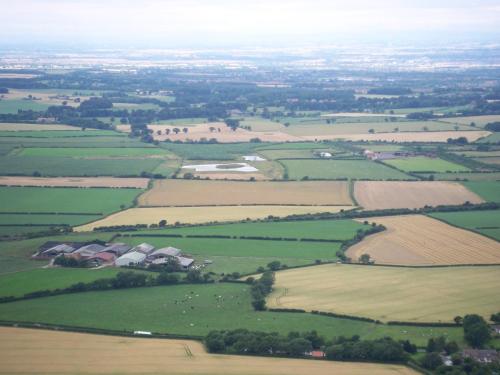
x: 250, y: 187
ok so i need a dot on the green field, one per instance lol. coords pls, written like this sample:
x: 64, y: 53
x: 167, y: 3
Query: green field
x: 424, y: 164
x: 470, y: 176
x: 42, y: 199
x: 493, y: 138
x: 10, y: 231
x: 15, y: 255
x: 60, y: 134
x: 317, y: 229
x: 60, y: 166
x: 488, y: 190
x: 335, y: 169
x: 485, y: 222
x: 48, y: 220
x: 19, y: 283
x: 229, y: 151
x: 78, y: 142
x: 195, y: 310
x: 13, y: 105
x: 94, y: 152
x: 244, y: 256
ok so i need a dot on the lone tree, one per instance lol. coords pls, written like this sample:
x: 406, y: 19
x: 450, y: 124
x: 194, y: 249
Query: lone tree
x: 232, y: 123
x: 476, y: 330
x: 365, y: 259
x: 162, y: 223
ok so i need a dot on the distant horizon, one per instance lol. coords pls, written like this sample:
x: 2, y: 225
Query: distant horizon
x: 128, y: 24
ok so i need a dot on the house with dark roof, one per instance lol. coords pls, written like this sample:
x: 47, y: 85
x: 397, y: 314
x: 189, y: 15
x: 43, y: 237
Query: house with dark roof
x: 117, y: 248
x: 481, y: 355
x: 100, y: 258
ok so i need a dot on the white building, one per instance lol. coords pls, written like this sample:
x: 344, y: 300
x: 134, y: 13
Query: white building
x: 132, y: 258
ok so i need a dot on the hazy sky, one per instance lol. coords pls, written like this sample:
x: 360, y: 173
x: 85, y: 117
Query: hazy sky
x: 197, y: 22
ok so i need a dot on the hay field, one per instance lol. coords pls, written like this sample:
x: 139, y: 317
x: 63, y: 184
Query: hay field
x: 198, y: 215
x: 31, y: 351
x: 480, y: 121
x: 199, y: 193
x: 376, y: 195
x: 440, y: 136
x: 420, y: 240
x: 390, y: 293
x: 111, y: 182
x: 8, y: 126
x: 426, y: 164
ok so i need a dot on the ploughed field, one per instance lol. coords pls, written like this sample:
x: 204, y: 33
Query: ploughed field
x: 390, y: 293
x: 375, y: 195
x: 420, y: 240
x: 41, y: 352
x: 201, y: 193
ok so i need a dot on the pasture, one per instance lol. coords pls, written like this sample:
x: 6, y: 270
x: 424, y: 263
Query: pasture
x: 317, y: 229
x: 109, y: 182
x: 488, y: 190
x: 341, y: 169
x: 19, y: 283
x: 480, y: 121
x: 92, y: 153
x: 19, y: 127
x: 201, y: 151
x: 195, y: 310
x: 376, y: 195
x: 53, y: 166
x: 390, y: 293
x: 199, y: 215
x: 425, y: 164
x: 484, y: 222
x: 420, y: 240
x: 41, y: 352
x: 59, y: 134
x: 211, y: 193
x: 64, y: 200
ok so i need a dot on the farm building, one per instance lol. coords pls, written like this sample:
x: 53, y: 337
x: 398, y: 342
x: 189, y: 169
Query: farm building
x: 101, y: 258
x: 134, y: 257
x: 184, y: 262
x: 144, y: 248
x: 58, y: 249
x: 496, y: 329
x: 89, y: 250
x: 164, y: 253
x: 253, y: 158
x: 481, y: 355
x: 325, y: 155
x: 117, y: 248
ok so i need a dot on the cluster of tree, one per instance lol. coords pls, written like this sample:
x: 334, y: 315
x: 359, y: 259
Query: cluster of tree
x: 260, y: 289
x: 390, y: 91
x: 4, y: 90
x: 493, y: 126
x: 476, y: 330
x: 297, y: 344
x: 457, y: 141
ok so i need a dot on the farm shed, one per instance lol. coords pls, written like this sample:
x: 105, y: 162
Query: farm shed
x: 117, y: 248
x: 133, y: 257
x: 144, y: 248
x: 58, y: 249
x: 89, y: 250
x: 101, y: 258
x: 184, y: 262
x: 165, y: 252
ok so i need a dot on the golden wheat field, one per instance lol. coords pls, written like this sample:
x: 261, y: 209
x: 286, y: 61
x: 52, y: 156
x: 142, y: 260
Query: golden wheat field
x: 436, y: 294
x: 110, y: 182
x: 375, y: 195
x: 421, y: 240
x: 200, y: 193
x: 199, y: 215
x: 29, y: 351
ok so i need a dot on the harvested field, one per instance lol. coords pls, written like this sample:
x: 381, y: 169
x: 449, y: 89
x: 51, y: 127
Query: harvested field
x: 198, y: 215
x: 111, y: 182
x: 406, y: 137
x: 390, y: 293
x: 480, y: 121
x: 420, y: 240
x: 7, y: 126
x: 30, y: 351
x: 200, y: 193
x: 198, y: 131
x: 376, y: 195
x: 232, y: 176
x: 426, y: 164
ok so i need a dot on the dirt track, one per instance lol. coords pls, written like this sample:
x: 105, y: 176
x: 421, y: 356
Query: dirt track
x: 375, y: 195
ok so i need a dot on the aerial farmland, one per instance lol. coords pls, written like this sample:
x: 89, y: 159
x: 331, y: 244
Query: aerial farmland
x: 247, y: 209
